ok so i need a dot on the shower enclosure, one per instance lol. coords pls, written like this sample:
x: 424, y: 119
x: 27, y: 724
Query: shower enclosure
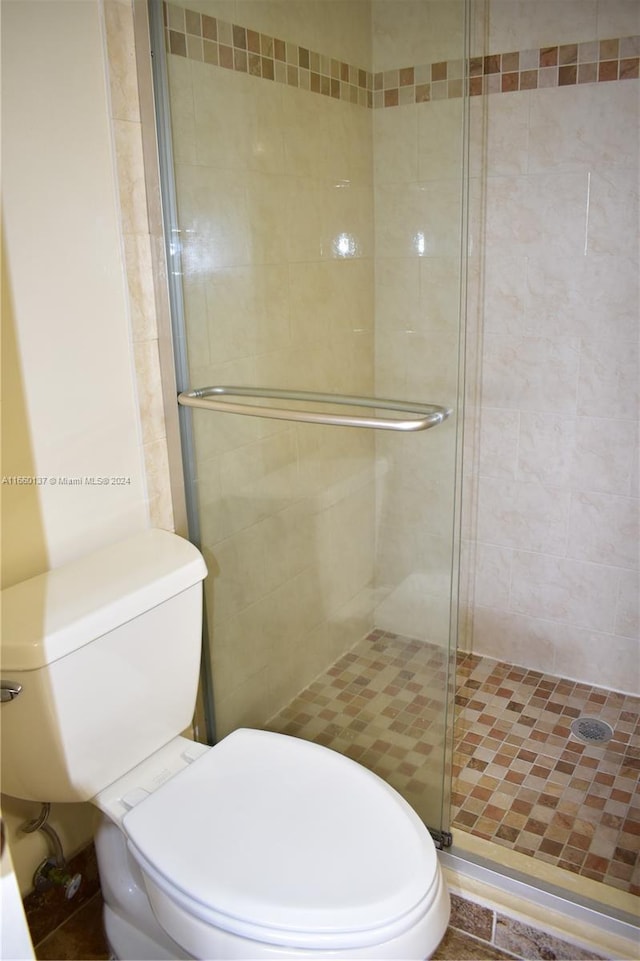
x: 314, y: 191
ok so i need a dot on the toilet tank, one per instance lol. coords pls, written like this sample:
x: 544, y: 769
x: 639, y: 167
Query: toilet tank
x: 107, y: 651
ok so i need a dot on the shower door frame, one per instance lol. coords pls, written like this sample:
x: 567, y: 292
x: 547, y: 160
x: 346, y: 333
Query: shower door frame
x: 166, y: 263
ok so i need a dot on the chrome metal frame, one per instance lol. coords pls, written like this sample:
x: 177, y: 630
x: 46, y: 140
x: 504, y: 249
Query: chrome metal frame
x: 210, y: 398
x: 172, y: 346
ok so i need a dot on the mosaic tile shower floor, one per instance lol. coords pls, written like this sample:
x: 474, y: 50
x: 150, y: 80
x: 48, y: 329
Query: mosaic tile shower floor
x: 521, y: 779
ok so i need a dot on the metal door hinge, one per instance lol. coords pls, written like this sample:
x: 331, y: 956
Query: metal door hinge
x: 442, y: 839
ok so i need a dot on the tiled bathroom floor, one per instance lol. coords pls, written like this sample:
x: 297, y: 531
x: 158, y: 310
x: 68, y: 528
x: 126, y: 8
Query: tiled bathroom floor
x: 382, y: 704
x: 521, y: 779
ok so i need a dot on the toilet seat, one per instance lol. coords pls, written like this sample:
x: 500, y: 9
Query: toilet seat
x: 278, y: 840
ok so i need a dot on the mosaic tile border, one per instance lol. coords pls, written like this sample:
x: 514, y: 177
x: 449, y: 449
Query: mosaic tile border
x: 561, y: 66
x: 219, y: 43
x: 233, y: 47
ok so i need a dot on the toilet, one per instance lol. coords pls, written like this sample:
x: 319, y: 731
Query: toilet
x: 263, y: 846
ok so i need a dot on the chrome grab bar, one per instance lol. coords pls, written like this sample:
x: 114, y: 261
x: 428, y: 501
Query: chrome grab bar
x: 209, y: 398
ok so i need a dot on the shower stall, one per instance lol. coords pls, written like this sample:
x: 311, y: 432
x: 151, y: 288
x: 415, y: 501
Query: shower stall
x: 350, y: 286
x: 316, y: 208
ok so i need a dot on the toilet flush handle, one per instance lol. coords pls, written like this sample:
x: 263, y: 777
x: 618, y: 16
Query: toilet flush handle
x: 9, y: 690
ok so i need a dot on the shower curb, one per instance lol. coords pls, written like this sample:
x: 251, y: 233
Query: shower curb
x: 516, y: 917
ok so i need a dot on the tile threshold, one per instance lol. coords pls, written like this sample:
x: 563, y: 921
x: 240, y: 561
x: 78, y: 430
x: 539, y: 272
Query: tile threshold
x: 591, y: 926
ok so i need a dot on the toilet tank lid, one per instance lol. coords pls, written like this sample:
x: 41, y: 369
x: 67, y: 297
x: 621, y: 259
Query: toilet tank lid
x: 55, y: 613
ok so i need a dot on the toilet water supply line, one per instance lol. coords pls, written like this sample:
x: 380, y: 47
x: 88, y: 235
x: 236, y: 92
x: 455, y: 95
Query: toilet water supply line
x: 53, y: 870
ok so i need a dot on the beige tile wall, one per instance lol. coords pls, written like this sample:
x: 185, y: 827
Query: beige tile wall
x: 524, y: 24
x: 540, y: 145
x: 219, y: 42
x: 417, y: 280
x: 328, y: 25
x: 542, y: 392
x: 556, y: 555
x: 267, y: 192
x: 406, y: 32
x: 418, y: 275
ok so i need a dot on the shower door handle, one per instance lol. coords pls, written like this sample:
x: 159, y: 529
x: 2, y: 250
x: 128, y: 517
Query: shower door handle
x: 423, y: 416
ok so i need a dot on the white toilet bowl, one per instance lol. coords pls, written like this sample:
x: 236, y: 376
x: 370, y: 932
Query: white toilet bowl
x: 267, y: 846
x: 263, y: 846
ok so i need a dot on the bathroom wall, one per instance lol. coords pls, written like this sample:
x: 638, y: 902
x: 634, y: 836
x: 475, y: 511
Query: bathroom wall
x: 555, y: 473
x: 272, y: 141
x: 66, y: 289
x: 80, y: 366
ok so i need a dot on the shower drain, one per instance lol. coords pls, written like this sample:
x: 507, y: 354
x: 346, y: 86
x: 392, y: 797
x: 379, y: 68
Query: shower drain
x: 591, y: 730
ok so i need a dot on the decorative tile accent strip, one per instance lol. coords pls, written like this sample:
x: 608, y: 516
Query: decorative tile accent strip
x: 561, y: 66
x: 420, y: 84
x: 228, y: 45
x: 565, y: 65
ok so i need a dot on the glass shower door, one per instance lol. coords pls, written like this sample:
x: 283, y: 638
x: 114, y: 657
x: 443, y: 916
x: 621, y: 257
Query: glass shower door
x: 316, y: 246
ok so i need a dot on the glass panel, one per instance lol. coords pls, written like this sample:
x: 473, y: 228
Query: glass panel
x: 319, y: 177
